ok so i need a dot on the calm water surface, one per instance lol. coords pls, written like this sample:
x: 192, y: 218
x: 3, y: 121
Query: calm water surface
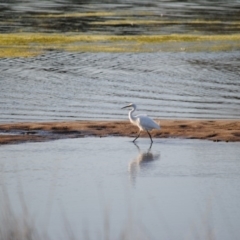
x: 179, y: 189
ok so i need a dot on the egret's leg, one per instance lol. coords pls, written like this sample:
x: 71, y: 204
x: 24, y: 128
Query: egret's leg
x: 137, y: 146
x: 137, y: 136
x: 150, y: 136
x: 150, y: 147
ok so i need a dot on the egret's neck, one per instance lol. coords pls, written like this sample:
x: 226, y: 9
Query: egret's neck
x: 130, y: 115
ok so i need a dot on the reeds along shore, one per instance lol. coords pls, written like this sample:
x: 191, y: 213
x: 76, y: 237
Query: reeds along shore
x: 215, y: 130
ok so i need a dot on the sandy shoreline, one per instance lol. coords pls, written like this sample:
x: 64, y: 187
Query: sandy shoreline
x: 215, y: 130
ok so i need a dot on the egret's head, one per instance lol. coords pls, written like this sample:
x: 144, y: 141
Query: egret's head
x: 131, y: 105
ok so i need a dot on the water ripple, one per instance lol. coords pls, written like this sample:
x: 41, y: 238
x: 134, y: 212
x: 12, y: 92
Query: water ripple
x: 72, y: 86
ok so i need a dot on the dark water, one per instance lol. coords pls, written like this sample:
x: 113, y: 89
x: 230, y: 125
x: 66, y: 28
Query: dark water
x: 32, y: 16
x: 72, y: 86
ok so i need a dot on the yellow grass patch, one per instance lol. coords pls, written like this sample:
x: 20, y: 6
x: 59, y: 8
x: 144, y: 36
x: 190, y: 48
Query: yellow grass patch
x: 31, y: 44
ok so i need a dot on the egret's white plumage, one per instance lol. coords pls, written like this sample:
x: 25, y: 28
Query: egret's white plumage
x: 143, y: 122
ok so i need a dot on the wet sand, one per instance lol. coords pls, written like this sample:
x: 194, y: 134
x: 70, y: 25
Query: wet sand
x: 215, y: 130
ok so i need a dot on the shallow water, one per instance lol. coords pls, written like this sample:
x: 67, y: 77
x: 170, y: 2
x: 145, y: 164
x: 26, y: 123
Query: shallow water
x: 179, y: 189
x: 73, y: 86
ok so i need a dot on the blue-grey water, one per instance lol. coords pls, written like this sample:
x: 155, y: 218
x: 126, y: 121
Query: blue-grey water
x: 179, y: 189
x: 76, y: 86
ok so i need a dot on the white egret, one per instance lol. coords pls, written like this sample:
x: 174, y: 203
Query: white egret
x: 143, y: 122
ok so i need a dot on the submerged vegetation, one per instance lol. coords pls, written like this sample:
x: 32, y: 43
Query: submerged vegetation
x: 32, y: 44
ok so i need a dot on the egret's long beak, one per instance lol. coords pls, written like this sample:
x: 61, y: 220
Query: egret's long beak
x: 125, y: 107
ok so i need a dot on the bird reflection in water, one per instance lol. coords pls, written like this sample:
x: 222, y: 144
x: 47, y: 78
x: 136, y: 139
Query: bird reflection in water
x: 142, y: 162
